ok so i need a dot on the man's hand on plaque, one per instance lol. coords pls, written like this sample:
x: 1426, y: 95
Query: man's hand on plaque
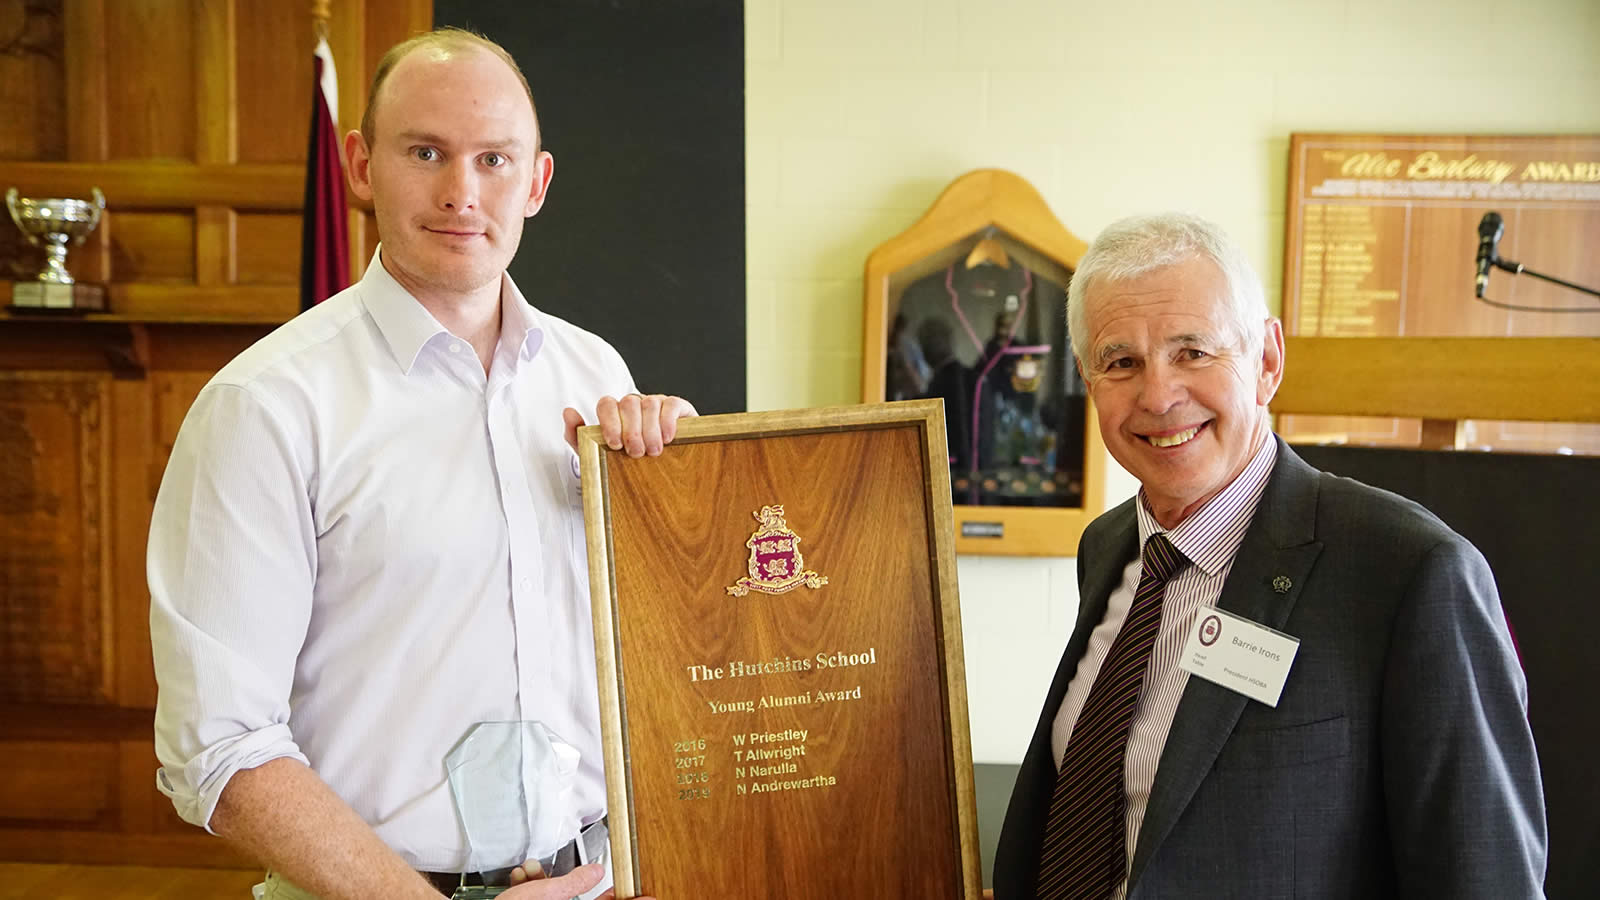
x: 528, y: 882
x: 638, y: 423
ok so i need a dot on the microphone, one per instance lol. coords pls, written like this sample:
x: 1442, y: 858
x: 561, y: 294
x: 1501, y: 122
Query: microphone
x: 1490, y: 229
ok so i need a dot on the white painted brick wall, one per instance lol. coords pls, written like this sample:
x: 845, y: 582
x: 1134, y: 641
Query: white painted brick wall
x: 858, y: 112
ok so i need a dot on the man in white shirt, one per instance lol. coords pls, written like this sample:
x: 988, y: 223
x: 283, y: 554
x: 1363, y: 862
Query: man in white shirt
x: 369, y: 537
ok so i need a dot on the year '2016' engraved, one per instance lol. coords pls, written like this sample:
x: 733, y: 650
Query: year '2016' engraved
x: 692, y: 779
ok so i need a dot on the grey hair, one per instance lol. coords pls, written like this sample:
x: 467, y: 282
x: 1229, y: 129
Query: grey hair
x: 1136, y: 246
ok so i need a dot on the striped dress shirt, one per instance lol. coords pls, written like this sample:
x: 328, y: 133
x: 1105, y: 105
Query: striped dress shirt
x: 1210, y: 539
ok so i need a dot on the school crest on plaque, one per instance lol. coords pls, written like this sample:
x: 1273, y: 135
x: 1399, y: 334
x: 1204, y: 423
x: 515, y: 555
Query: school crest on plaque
x: 776, y: 566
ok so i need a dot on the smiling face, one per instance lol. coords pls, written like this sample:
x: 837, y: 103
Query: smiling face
x: 452, y: 170
x: 1182, y: 402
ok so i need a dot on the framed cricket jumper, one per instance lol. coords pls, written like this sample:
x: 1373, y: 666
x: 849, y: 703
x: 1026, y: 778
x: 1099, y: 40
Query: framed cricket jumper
x: 969, y: 306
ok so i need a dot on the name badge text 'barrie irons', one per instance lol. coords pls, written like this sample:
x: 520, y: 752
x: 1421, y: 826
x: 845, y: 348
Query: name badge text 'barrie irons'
x: 775, y: 564
x: 1239, y: 654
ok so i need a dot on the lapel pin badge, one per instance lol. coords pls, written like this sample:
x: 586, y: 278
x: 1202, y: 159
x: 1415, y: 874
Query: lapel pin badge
x: 1282, y: 584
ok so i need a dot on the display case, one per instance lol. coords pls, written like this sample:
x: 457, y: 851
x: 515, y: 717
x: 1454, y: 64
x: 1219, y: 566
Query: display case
x: 969, y: 306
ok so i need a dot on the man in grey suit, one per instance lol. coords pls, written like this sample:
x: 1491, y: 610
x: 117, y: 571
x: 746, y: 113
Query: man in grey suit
x: 1397, y: 761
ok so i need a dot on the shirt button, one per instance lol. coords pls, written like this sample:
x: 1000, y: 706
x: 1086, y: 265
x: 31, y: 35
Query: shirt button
x: 527, y: 583
x: 455, y: 348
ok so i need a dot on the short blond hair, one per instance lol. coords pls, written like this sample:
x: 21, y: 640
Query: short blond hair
x: 447, y: 38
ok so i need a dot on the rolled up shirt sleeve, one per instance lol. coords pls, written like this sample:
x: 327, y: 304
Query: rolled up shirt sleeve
x: 231, y: 567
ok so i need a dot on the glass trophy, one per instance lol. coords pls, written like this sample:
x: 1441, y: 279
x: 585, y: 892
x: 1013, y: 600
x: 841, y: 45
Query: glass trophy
x: 513, y: 785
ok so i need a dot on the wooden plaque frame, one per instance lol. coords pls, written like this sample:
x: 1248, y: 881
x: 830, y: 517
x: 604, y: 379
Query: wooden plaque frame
x: 867, y: 790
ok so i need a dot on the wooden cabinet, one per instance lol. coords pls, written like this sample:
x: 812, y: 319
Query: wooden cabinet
x: 191, y: 116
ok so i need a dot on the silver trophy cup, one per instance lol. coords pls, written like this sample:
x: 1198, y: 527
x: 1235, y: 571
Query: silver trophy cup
x: 51, y: 223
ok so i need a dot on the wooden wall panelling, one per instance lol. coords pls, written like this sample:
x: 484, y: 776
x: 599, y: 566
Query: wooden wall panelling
x: 273, y: 67
x: 216, y: 246
x: 150, y: 89
x: 59, y: 782
x: 125, y: 882
x: 198, y: 349
x: 41, y: 344
x: 216, y: 106
x: 217, y: 123
x: 269, y: 248
x: 149, y: 245
x: 132, y: 430
x: 192, y: 847
x: 138, y: 801
x: 88, y: 136
x: 54, y: 538
x: 358, y: 40
x: 32, y: 82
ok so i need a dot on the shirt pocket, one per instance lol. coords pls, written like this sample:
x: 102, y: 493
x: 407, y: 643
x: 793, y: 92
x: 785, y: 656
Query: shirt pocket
x: 1290, y: 745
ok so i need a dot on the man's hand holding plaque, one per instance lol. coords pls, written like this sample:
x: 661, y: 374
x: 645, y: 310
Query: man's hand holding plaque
x: 641, y: 424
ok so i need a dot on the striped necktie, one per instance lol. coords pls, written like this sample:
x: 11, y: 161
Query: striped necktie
x: 1084, y: 855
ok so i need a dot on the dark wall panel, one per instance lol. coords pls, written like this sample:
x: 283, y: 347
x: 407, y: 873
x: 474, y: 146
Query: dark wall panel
x: 642, y: 238
x: 1533, y: 519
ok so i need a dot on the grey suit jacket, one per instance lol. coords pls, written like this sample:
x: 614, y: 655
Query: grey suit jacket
x: 1398, y: 762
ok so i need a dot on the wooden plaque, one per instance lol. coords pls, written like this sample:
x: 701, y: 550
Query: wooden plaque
x: 778, y: 640
x: 1381, y: 235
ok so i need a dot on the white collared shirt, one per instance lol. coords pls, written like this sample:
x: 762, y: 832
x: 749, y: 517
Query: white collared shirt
x: 364, y: 545
x: 1209, y: 538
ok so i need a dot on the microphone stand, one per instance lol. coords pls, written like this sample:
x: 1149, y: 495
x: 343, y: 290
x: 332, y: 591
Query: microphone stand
x: 1517, y: 268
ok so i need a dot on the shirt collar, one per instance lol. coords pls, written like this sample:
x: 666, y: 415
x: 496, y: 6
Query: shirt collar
x: 520, y: 328
x: 1211, y: 535
x: 407, y: 326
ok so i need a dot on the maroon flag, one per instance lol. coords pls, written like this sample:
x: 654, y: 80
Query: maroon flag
x: 324, y: 237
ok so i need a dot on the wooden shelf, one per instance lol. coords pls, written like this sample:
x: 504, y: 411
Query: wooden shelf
x: 67, y: 317
x: 179, y: 303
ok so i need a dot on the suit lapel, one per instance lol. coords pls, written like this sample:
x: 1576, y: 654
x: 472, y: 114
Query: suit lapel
x: 1280, y: 542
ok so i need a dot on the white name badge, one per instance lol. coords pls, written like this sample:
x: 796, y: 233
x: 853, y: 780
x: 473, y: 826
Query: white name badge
x: 1239, y: 655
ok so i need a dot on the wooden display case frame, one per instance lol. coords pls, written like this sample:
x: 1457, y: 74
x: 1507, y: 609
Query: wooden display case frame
x: 967, y: 210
